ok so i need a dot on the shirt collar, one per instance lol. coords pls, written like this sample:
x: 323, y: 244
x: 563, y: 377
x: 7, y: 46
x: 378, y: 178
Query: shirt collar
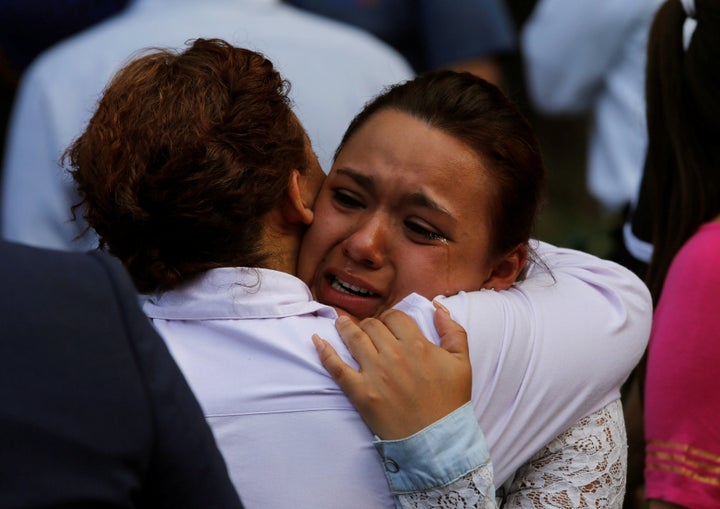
x: 237, y: 293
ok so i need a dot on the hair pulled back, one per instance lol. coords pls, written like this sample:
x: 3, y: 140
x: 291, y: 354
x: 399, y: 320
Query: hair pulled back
x: 478, y: 114
x: 682, y: 169
x: 184, y: 155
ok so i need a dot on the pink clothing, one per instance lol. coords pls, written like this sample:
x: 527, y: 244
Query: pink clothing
x: 682, y: 401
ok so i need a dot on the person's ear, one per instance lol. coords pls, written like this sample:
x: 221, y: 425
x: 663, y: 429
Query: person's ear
x: 297, y: 207
x: 507, y: 269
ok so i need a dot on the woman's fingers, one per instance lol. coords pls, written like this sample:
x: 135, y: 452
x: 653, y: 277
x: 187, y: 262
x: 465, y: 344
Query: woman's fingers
x: 405, y: 382
x: 366, y: 338
x: 453, y: 336
x: 400, y: 326
x: 344, y: 375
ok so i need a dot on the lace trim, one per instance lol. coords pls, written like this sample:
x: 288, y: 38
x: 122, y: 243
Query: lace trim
x: 474, y: 489
x: 586, y: 466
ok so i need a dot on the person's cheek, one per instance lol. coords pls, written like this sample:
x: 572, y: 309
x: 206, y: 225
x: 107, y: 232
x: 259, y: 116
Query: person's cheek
x: 315, y: 248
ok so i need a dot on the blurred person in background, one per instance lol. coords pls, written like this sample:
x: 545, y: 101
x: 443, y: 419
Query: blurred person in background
x: 588, y: 57
x: 463, y: 35
x: 680, y: 197
x: 27, y: 27
x: 334, y: 70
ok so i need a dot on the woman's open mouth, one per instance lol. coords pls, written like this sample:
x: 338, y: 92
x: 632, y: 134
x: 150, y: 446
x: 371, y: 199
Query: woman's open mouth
x: 357, y: 300
x: 345, y: 287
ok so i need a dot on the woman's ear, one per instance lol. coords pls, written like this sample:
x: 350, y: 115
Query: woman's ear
x: 507, y: 269
x: 297, y: 208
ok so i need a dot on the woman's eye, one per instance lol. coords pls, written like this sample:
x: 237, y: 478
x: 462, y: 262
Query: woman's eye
x: 345, y: 199
x: 424, y: 232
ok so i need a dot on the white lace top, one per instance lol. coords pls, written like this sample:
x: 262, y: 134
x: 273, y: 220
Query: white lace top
x: 584, y: 466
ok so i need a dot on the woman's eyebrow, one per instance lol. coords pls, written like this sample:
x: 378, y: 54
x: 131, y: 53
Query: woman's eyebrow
x: 417, y: 198
x: 364, y: 181
x: 421, y: 199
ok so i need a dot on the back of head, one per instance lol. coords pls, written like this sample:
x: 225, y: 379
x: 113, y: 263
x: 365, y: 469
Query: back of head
x: 479, y: 115
x: 183, y: 157
x: 682, y: 168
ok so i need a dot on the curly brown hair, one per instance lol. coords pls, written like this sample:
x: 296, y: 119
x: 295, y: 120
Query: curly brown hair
x: 183, y: 157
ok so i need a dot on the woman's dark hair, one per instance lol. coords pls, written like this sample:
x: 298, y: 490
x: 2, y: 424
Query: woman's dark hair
x: 183, y: 157
x: 478, y: 114
x: 682, y: 170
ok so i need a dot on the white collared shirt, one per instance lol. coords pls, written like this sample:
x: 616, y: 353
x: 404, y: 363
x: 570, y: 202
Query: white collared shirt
x: 545, y: 353
x: 242, y: 338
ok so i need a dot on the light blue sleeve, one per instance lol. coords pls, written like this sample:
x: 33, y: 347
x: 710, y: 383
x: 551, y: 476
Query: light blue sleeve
x: 449, y: 451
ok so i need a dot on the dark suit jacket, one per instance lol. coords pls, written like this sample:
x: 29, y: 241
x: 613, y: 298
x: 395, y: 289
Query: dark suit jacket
x: 93, y: 410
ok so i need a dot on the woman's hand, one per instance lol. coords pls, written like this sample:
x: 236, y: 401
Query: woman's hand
x: 405, y: 382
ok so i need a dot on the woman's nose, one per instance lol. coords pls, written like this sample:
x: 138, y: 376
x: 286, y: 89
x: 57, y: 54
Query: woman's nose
x: 366, y: 244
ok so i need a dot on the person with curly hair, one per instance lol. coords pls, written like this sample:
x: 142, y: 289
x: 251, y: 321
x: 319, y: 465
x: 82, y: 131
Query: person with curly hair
x: 196, y: 173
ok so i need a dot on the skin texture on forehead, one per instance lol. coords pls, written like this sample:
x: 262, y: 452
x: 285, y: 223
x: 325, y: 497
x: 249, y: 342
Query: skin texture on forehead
x: 403, y: 210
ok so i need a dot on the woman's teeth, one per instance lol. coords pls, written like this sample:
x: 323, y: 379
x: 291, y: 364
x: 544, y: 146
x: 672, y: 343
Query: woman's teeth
x: 344, y: 287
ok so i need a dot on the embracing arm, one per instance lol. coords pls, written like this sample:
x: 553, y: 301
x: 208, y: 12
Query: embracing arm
x: 535, y: 379
x: 585, y: 466
x: 550, y: 351
x: 415, y: 397
x: 591, y: 325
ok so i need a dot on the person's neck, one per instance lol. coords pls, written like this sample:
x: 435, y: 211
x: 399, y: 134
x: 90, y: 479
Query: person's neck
x: 282, y: 248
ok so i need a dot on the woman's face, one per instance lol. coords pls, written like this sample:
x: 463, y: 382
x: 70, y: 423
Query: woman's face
x: 403, y: 210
